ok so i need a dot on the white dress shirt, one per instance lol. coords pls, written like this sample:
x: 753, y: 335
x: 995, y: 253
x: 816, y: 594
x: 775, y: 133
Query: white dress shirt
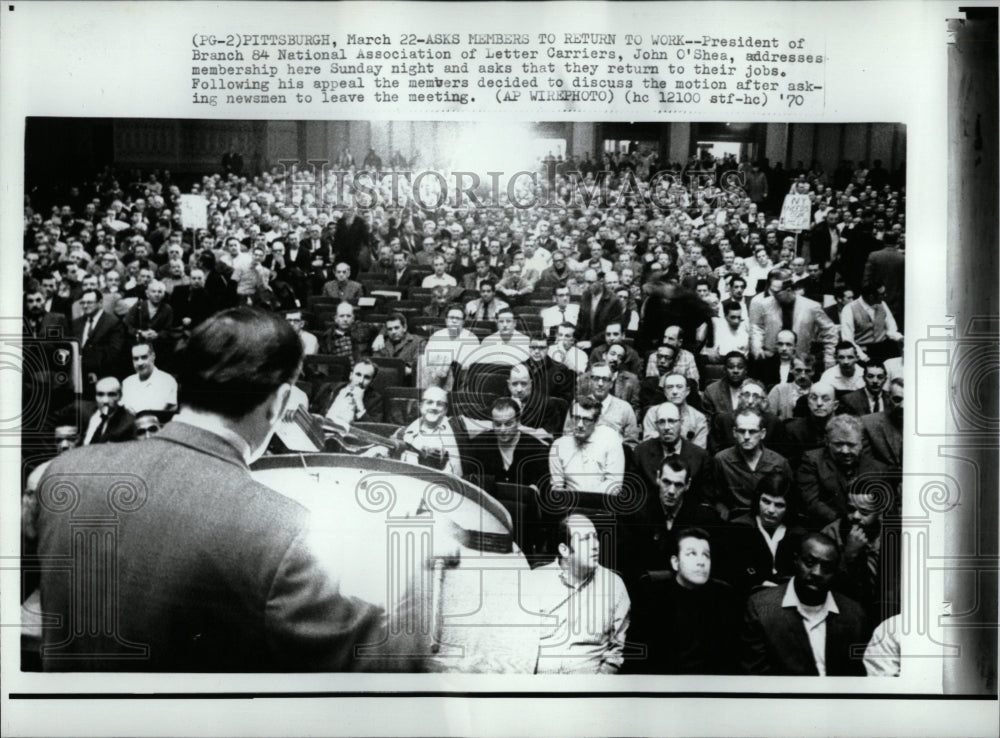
x: 596, y: 465
x: 553, y: 316
x: 158, y: 392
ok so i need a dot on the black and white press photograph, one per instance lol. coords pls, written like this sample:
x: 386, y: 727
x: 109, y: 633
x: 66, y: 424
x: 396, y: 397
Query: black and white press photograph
x: 585, y: 398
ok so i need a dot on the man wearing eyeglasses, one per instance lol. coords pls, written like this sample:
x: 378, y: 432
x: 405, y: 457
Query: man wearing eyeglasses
x: 670, y: 443
x: 783, y: 309
x: 615, y: 413
x: 561, y: 312
x: 738, y: 469
x: 589, y: 457
x: 101, y: 337
x: 753, y: 396
x: 694, y: 425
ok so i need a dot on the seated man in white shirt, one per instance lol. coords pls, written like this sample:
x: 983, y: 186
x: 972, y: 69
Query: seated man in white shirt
x: 617, y: 414
x: 562, y: 312
x: 440, y: 277
x: 565, y: 351
x: 445, y: 349
x: 845, y: 376
x: 590, y: 458
x: 729, y: 333
x: 434, y: 439
x: 586, y: 607
x: 149, y: 388
x: 506, y: 346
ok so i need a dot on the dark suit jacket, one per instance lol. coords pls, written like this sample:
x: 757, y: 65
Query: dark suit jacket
x: 545, y: 412
x: 857, y: 402
x: 882, y: 439
x: 800, y: 435
x: 553, y: 377
x: 650, y: 395
x: 530, y: 465
x: 775, y: 640
x: 64, y: 306
x: 215, y: 571
x: 408, y: 278
x: 373, y: 402
x: 716, y: 399
x: 103, y: 354
x: 609, y: 309
x: 767, y: 370
x: 120, y: 427
x: 196, y: 304
x: 823, y: 488
x: 648, y: 457
x: 138, y: 319
x: 819, y: 243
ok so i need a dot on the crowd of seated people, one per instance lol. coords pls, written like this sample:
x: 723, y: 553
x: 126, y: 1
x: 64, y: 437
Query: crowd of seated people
x: 715, y: 403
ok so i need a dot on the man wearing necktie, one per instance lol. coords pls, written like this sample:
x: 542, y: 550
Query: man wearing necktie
x: 562, y: 312
x: 111, y: 422
x: 102, y: 340
x: 870, y: 398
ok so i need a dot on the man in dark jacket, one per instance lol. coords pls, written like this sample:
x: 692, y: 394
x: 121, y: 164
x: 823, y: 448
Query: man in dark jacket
x: 688, y: 621
x: 597, y: 308
x: 802, y: 628
x: 240, y: 582
x: 505, y: 453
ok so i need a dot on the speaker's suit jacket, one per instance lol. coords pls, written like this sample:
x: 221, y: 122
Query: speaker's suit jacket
x: 213, y: 571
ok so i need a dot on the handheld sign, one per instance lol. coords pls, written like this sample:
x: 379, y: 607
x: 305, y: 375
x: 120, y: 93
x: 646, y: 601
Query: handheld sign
x: 795, y: 213
x: 194, y: 211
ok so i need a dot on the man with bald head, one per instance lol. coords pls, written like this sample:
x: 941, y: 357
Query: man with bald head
x: 150, y: 319
x: 111, y: 422
x: 694, y: 424
x: 806, y: 433
x: 192, y: 302
x: 649, y: 454
x: 342, y: 287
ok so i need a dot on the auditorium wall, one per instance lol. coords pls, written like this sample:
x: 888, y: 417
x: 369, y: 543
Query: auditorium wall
x: 75, y: 148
